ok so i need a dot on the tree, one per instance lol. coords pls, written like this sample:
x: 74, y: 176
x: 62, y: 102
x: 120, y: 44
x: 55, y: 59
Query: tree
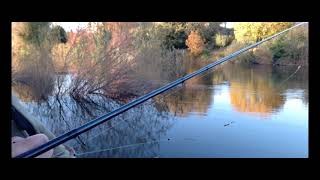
x: 207, y: 30
x: 173, y: 35
x: 58, y: 35
x: 248, y: 32
x: 195, y: 43
x: 41, y: 34
x: 35, y: 33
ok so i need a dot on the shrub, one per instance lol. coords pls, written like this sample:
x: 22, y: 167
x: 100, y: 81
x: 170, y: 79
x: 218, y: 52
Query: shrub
x: 244, y: 58
x: 223, y: 40
x: 205, y: 54
x: 263, y: 55
x: 155, y: 63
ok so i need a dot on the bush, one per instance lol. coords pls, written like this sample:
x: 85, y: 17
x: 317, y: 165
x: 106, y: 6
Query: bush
x: 263, y: 55
x: 155, y: 63
x: 244, y: 58
x: 205, y: 54
x: 98, y: 63
x: 223, y: 40
x: 195, y: 43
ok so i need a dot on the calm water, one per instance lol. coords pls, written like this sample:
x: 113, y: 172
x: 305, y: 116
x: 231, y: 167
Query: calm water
x: 229, y: 112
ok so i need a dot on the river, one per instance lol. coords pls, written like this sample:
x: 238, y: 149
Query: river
x: 232, y: 111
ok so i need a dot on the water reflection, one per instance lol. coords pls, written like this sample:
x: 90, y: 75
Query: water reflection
x: 261, y: 90
x: 254, y: 90
x: 31, y: 93
x: 196, y: 94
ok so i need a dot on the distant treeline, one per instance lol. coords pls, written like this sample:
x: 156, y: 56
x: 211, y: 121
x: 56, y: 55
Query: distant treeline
x: 118, y: 58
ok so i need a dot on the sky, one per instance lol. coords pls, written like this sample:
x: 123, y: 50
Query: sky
x: 68, y: 26
x: 230, y: 24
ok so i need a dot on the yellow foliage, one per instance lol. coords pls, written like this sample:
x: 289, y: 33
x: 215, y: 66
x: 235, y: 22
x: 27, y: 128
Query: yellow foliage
x: 255, y: 31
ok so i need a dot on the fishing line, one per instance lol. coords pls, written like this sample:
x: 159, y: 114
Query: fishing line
x: 119, y: 147
x: 290, y: 76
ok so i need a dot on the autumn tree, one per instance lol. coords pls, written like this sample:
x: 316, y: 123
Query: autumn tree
x: 195, y: 43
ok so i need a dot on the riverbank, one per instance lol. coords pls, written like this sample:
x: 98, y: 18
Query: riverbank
x: 260, y: 55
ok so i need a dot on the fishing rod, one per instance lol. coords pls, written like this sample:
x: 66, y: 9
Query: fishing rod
x: 93, y: 123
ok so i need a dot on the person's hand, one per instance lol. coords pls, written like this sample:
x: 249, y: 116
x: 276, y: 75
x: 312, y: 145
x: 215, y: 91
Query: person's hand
x: 20, y: 145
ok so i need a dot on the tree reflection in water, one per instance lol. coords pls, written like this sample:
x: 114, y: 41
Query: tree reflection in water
x: 261, y: 89
x: 196, y: 94
x: 258, y: 89
x: 252, y: 90
x: 62, y: 112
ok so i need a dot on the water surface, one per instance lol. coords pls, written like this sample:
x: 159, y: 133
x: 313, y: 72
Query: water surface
x: 232, y: 111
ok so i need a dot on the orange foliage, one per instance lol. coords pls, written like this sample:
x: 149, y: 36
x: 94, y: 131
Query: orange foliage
x: 195, y: 43
x: 120, y: 33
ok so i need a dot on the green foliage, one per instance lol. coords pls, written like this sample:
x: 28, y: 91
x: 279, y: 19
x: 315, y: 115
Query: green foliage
x: 291, y: 48
x: 173, y: 35
x: 205, y: 54
x: 58, y: 35
x: 41, y: 35
x: 175, y: 39
x: 279, y: 49
x: 206, y: 30
x: 168, y: 35
x: 35, y: 33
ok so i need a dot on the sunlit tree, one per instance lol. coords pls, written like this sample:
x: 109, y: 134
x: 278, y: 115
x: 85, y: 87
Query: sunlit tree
x: 195, y: 43
x: 255, y: 31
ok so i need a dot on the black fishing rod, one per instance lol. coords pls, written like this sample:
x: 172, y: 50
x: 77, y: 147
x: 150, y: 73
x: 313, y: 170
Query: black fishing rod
x: 93, y: 123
